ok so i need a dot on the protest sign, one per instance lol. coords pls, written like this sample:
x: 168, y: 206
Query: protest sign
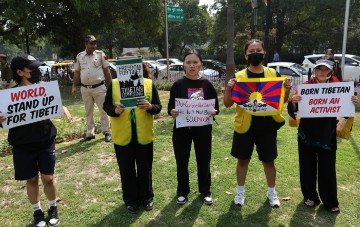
x: 260, y: 96
x: 27, y: 104
x: 129, y: 72
x: 194, y: 112
x: 326, y: 100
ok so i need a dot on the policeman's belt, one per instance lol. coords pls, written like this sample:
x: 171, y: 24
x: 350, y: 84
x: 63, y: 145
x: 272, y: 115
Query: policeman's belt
x: 93, y: 86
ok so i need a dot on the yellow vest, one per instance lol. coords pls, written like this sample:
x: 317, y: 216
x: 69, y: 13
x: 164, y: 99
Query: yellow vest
x: 121, y: 126
x: 243, y: 118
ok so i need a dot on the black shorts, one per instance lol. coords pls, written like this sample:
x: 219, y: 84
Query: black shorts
x: 28, y: 163
x: 243, y: 145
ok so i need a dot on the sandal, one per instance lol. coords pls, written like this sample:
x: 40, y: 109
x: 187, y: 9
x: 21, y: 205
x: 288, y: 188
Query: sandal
x: 309, y: 203
x: 335, y: 210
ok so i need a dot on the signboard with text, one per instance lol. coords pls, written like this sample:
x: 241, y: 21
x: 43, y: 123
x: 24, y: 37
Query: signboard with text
x: 326, y: 100
x: 194, y: 112
x: 27, y: 104
x: 175, y: 13
x: 129, y: 72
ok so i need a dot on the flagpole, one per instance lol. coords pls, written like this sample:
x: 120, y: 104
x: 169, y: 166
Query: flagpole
x: 345, y: 37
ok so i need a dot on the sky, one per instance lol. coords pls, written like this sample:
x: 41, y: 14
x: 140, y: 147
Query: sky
x: 206, y: 2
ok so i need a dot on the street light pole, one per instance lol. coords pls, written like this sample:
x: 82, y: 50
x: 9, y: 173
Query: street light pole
x: 167, y: 39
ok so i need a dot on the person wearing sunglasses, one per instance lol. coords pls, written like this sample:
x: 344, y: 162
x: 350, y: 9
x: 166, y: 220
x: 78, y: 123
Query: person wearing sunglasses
x: 317, y: 146
x: 93, y: 73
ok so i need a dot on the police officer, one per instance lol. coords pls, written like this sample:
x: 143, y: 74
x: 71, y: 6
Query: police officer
x: 93, y: 73
x: 6, y: 73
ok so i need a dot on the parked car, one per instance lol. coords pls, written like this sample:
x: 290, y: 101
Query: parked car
x: 298, y: 74
x: 171, y: 61
x: 45, y: 71
x: 154, y: 64
x: 351, y: 70
x: 177, y: 71
x: 112, y: 68
x: 215, y: 65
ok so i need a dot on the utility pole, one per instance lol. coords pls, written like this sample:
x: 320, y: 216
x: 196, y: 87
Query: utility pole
x: 230, y: 65
x: 268, y: 25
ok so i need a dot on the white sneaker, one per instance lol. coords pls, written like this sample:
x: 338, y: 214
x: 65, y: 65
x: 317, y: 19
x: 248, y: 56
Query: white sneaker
x: 181, y: 200
x: 208, y: 200
x: 273, y: 199
x: 239, y: 199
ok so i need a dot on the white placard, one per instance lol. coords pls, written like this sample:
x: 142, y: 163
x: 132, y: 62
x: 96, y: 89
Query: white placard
x: 194, y: 112
x: 27, y: 104
x: 326, y: 100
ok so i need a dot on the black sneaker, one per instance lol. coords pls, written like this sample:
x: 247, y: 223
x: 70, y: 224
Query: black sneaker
x: 149, y: 206
x: 39, y: 219
x: 53, y: 218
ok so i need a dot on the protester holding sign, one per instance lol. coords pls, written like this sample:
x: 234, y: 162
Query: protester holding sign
x: 250, y: 130
x: 133, y: 135
x: 34, y: 147
x: 317, y: 145
x: 192, y: 86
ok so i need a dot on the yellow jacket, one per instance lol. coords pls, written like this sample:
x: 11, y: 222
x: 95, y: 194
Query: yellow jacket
x: 242, y: 118
x: 121, y: 126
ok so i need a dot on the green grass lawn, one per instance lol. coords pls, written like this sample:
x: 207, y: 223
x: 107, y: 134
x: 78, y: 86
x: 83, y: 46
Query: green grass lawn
x: 88, y: 182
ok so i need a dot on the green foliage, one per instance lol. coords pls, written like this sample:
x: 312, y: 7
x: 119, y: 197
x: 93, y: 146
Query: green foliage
x: 163, y: 85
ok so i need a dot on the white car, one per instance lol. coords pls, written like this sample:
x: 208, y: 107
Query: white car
x: 44, y: 68
x: 352, y: 65
x: 154, y: 64
x: 297, y: 73
x: 177, y: 70
x: 171, y: 61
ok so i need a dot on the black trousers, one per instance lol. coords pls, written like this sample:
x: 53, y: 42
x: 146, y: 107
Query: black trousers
x: 182, y: 140
x: 135, y: 165
x: 318, y: 164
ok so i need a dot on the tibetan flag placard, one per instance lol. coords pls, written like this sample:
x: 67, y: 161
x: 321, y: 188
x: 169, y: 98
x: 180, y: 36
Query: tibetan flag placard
x: 260, y: 96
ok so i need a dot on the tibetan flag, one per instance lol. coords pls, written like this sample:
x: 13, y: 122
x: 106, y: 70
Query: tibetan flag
x: 260, y: 96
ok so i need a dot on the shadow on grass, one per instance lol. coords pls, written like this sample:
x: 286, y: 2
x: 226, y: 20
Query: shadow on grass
x: 119, y: 217
x: 355, y: 146
x: 73, y: 148
x: 312, y: 216
x: 261, y: 216
x: 174, y: 214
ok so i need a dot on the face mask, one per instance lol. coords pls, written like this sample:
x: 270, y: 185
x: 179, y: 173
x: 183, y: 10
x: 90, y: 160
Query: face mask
x: 35, y: 76
x: 255, y: 58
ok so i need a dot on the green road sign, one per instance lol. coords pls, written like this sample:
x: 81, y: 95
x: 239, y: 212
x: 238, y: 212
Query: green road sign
x: 175, y: 13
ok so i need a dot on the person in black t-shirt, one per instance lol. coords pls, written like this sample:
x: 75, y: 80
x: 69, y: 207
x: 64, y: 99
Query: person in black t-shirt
x: 192, y: 86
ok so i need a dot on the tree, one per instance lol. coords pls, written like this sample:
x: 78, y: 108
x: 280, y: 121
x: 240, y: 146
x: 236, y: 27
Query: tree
x: 192, y: 32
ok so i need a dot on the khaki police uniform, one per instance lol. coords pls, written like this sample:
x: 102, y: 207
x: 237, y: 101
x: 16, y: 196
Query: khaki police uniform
x: 6, y: 76
x: 93, y: 88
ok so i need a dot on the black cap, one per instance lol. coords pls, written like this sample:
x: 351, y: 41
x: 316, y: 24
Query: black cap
x: 25, y: 60
x: 90, y: 38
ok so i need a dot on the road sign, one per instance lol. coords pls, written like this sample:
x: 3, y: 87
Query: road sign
x: 175, y: 13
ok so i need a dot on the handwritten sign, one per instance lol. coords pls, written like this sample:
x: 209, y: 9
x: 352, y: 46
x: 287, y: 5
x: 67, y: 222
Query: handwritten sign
x: 27, y: 104
x: 326, y: 100
x: 129, y: 72
x: 194, y: 112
